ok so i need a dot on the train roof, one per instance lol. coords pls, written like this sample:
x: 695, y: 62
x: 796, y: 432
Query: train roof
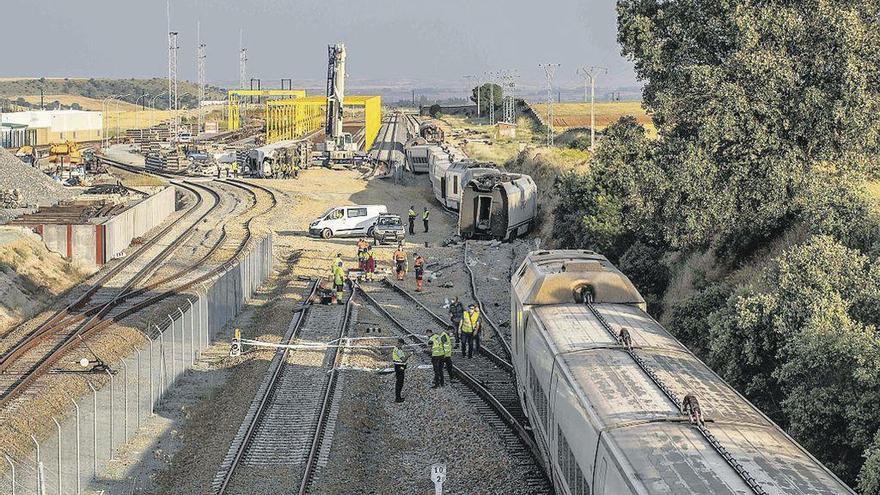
x: 500, y: 178
x: 554, y: 277
x: 646, y: 429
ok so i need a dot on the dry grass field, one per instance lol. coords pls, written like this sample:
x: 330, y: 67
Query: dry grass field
x: 85, y: 102
x: 577, y: 115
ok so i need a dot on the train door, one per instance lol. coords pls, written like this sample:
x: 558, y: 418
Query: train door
x: 443, y: 188
x: 483, y: 214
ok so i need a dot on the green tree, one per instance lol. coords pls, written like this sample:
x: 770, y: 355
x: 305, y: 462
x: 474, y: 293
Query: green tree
x: 434, y: 111
x: 869, y: 476
x: 792, y: 344
x: 749, y: 98
x: 486, y: 92
x: 615, y: 202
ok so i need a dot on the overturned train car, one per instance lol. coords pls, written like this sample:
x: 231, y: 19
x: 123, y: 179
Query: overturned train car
x: 498, y: 205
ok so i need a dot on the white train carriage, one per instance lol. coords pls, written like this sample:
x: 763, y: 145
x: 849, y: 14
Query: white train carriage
x: 459, y: 174
x: 497, y: 205
x: 438, y: 163
x: 603, y: 425
x: 418, y: 152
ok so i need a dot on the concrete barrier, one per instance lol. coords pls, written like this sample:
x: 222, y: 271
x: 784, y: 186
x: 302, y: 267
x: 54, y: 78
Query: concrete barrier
x: 136, y: 221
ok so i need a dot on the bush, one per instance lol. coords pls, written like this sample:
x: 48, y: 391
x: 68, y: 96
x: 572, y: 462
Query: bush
x: 581, y: 143
x: 434, y: 110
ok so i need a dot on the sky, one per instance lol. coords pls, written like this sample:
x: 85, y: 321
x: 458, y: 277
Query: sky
x: 402, y: 42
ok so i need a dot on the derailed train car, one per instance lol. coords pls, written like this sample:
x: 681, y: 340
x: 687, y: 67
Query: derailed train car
x: 418, y: 154
x: 276, y: 159
x: 431, y: 132
x: 603, y: 408
x: 498, y: 205
x: 459, y: 174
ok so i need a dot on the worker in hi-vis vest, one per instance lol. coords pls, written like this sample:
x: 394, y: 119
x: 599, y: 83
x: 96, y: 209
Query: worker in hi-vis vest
x: 469, y: 328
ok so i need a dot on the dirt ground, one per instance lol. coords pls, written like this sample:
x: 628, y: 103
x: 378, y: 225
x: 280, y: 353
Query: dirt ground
x: 31, y: 276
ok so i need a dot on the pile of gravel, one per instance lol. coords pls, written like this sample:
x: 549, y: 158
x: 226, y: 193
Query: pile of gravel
x: 36, y: 187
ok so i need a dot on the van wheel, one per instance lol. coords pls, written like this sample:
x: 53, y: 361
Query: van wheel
x: 326, y: 234
x: 371, y: 231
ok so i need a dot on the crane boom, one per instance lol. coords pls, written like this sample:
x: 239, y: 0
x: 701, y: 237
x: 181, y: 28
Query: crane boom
x: 335, y: 91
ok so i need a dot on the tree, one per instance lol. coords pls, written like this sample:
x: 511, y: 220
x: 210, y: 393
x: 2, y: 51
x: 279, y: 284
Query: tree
x: 749, y: 98
x: 486, y: 91
x: 434, y: 111
x: 869, y: 476
x: 792, y: 343
x: 614, y: 203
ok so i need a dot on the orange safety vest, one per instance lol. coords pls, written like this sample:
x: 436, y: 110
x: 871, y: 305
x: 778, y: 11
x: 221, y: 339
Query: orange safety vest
x: 419, y: 262
x: 399, y: 256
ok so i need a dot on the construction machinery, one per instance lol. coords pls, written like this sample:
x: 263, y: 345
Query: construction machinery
x: 69, y: 150
x: 338, y: 147
x: 27, y: 154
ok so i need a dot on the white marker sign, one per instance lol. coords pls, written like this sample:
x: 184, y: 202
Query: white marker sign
x: 438, y: 476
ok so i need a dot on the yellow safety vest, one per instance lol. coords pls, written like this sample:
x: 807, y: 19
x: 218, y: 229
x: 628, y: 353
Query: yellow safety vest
x: 412, y: 214
x: 469, y: 322
x: 425, y: 215
x: 338, y: 275
x: 398, y: 356
x: 447, y: 344
x: 436, y: 346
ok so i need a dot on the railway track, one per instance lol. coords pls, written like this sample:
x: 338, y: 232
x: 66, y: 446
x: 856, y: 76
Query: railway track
x: 34, y: 354
x: 488, y: 377
x: 112, y: 301
x: 281, y: 441
x: 502, y: 338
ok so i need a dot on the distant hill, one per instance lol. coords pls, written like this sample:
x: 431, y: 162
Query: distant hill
x: 12, y: 90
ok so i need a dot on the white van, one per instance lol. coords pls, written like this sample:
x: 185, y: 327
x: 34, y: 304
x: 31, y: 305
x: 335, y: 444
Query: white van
x: 353, y: 220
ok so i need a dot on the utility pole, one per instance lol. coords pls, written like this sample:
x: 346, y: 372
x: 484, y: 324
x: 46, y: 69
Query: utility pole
x: 590, y: 74
x: 201, y: 56
x: 508, y: 81
x: 549, y: 72
x: 242, y: 77
x: 490, y: 76
x: 172, y: 75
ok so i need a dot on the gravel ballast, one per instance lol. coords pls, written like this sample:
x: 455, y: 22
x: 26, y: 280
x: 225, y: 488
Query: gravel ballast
x: 36, y: 187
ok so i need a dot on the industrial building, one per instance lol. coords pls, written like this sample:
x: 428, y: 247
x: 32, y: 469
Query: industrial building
x: 55, y: 126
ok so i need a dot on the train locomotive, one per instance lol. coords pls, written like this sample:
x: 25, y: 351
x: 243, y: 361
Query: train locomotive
x: 602, y: 383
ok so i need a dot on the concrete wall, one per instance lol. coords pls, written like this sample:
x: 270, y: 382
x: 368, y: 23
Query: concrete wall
x: 80, y: 243
x: 94, y: 245
x: 136, y: 221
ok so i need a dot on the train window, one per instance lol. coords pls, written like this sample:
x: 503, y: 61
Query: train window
x: 568, y: 464
x: 455, y: 185
x: 539, y: 397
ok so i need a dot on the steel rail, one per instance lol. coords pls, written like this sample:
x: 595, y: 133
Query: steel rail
x: 522, y: 431
x: 92, y: 323
x: 504, y: 343
x: 60, y: 317
x: 327, y: 399
x: 96, y: 321
x: 258, y: 406
x: 495, y: 358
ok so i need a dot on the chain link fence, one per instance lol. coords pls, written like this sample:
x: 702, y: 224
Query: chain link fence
x: 99, y: 423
